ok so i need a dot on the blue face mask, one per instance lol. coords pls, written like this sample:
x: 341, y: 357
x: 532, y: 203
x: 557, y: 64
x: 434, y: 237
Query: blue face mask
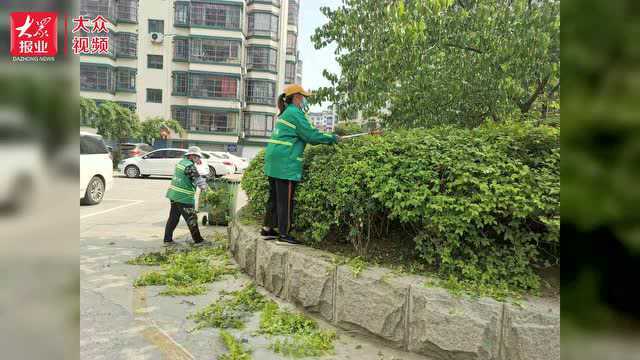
x: 305, y: 105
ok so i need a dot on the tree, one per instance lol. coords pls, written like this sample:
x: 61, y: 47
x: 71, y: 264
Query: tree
x: 440, y: 61
x: 348, y: 128
x: 88, y: 111
x: 116, y: 122
x: 150, y: 128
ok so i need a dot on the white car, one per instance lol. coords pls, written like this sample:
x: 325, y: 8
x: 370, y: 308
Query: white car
x: 162, y: 162
x: 21, y: 159
x: 225, y: 165
x: 239, y: 164
x: 96, y: 168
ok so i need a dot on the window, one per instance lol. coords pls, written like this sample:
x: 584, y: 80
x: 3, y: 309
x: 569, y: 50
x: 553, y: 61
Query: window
x: 127, y: 10
x: 129, y: 105
x: 261, y: 92
x: 90, y: 145
x: 257, y: 124
x: 154, y: 95
x: 158, y: 154
x: 263, y: 24
x: 126, y: 44
x: 156, y: 26
x: 93, y: 8
x: 212, y: 86
x: 215, y: 15
x: 262, y: 58
x: 213, y: 50
x: 291, y: 43
x: 181, y: 115
x: 274, y: 2
x: 96, y: 78
x: 289, y: 72
x: 125, y: 79
x: 180, y: 82
x: 175, y: 154
x: 205, y: 120
x: 292, y: 18
x: 181, y: 15
x: 154, y: 61
x: 180, y: 49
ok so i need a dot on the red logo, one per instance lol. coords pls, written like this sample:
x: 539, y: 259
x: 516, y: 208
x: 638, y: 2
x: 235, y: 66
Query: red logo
x: 34, y: 34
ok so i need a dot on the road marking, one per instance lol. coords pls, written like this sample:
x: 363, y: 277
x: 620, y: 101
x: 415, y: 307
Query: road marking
x: 153, y: 333
x: 135, y: 202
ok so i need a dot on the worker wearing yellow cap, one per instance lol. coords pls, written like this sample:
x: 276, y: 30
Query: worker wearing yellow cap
x: 283, y: 160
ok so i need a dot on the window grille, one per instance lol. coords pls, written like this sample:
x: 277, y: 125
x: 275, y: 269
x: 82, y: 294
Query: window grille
x: 214, y: 51
x: 263, y: 24
x: 154, y: 95
x: 96, y: 78
x: 260, y: 92
x: 125, y: 79
x: 258, y: 124
x: 261, y: 58
x: 154, y: 61
x: 292, y: 18
x: 126, y: 44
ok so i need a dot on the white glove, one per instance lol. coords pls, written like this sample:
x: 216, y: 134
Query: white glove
x: 201, y: 183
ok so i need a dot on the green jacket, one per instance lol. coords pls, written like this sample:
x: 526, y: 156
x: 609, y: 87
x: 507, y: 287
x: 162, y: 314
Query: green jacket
x: 182, y: 189
x: 291, y: 133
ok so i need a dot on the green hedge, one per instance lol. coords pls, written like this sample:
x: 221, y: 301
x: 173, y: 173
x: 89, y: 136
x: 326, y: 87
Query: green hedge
x: 482, y: 205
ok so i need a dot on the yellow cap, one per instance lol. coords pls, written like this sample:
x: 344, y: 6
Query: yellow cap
x: 295, y: 89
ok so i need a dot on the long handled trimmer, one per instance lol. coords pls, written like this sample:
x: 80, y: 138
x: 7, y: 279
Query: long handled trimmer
x: 375, y: 132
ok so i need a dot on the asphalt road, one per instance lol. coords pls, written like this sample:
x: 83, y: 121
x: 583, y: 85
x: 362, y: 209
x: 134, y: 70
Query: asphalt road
x: 118, y: 321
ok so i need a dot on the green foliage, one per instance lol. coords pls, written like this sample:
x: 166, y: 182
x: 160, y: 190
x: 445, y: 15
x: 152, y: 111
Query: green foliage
x: 481, y: 205
x: 348, y: 128
x: 301, y: 335
x: 357, y: 264
x: 88, y: 111
x: 256, y: 185
x: 150, y: 129
x: 231, y: 310
x: 152, y: 258
x: 236, y: 352
x: 185, y: 272
x: 116, y: 122
x: 435, y: 62
x: 217, y: 201
x: 601, y: 134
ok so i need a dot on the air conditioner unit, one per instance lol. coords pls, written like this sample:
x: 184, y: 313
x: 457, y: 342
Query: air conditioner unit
x: 157, y: 38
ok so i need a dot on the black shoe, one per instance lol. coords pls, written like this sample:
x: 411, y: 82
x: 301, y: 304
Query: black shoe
x: 200, y: 242
x: 271, y: 234
x: 169, y: 243
x: 288, y: 240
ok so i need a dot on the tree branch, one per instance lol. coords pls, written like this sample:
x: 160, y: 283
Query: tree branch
x: 526, y: 106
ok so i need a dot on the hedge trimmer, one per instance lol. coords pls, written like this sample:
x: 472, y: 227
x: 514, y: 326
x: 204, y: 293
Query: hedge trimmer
x: 374, y: 132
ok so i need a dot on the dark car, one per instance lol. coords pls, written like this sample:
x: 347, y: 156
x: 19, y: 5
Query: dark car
x: 128, y: 150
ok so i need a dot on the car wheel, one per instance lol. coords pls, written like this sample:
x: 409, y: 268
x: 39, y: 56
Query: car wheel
x: 132, y: 171
x: 94, y: 192
x: 212, y: 172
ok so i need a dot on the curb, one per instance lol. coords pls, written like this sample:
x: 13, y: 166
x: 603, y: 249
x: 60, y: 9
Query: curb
x: 399, y: 310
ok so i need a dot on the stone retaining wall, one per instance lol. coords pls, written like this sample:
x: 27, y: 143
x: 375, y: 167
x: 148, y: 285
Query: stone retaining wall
x: 399, y: 310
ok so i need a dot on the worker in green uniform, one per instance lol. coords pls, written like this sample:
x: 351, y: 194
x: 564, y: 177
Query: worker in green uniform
x: 182, y: 193
x: 283, y: 160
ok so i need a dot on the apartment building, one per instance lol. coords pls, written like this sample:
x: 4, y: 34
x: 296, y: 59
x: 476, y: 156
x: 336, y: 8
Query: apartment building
x: 325, y: 120
x: 216, y: 66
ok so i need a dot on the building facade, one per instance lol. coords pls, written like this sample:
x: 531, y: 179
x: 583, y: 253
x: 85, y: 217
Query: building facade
x: 325, y: 120
x: 215, y: 66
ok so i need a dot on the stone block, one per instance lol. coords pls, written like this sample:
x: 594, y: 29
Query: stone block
x: 245, y: 254
x: 310, y: 284
x: 445, y: 327
x: 532, y: 331
x: 368, y: 302
x: 271, y: 266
